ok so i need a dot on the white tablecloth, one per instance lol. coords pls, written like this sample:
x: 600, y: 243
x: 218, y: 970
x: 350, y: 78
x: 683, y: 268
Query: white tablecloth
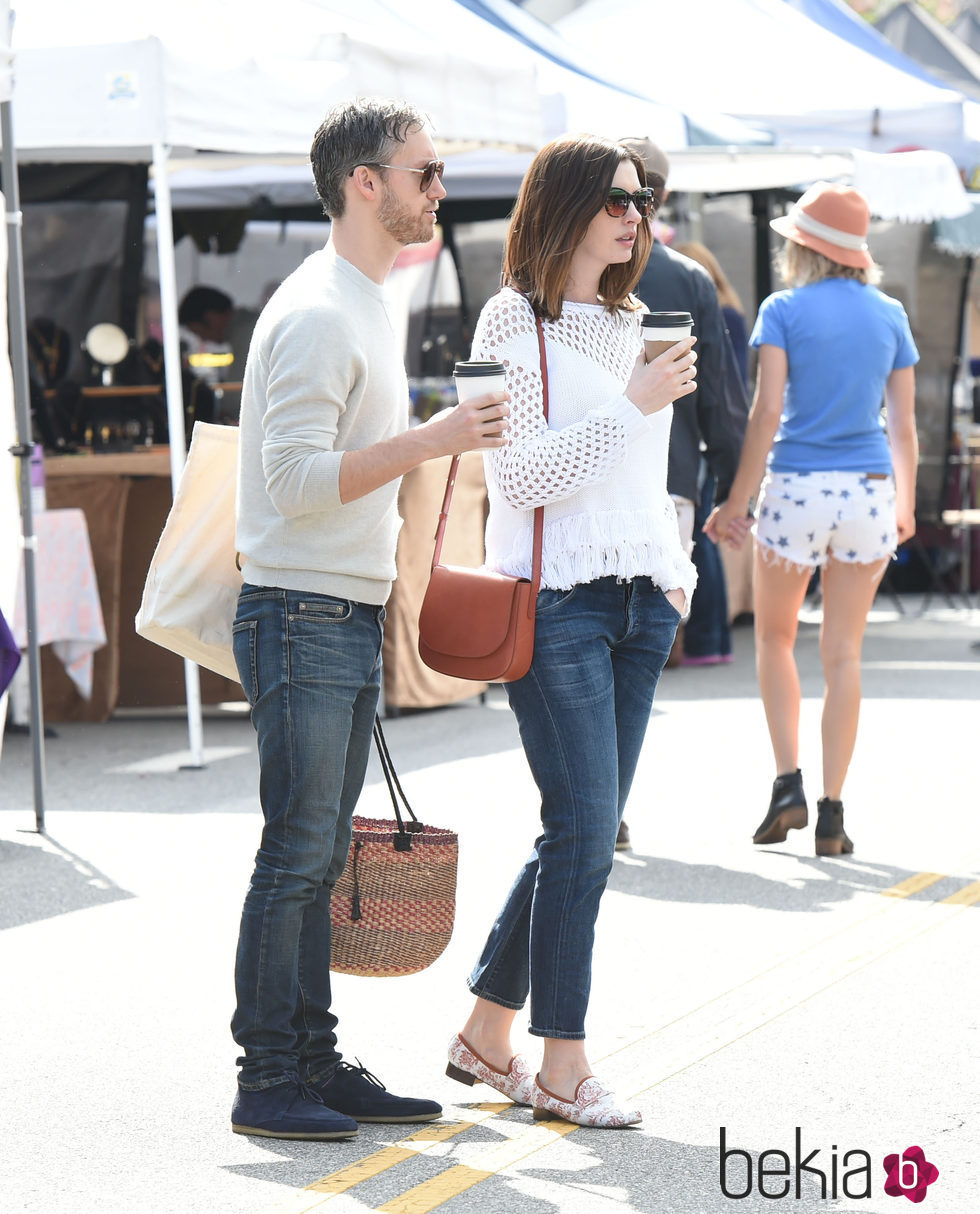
x: 68, y: 607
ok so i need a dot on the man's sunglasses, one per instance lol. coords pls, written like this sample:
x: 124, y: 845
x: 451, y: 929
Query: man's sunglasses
x: 618, y: 202
x: 434, y: 169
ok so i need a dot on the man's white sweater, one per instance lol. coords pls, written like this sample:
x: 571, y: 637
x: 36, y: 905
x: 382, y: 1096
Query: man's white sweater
x: 325, y: 374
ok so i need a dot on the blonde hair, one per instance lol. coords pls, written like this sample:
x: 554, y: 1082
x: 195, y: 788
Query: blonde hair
x: 727, y: 295
x: 799, y: 266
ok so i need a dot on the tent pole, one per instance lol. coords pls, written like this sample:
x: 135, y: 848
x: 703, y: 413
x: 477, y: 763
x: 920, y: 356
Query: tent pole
x: 175, y: 401
x: 22, y: 409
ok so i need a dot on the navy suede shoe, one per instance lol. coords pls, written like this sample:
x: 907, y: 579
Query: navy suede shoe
x: 354, y: 1091
x: 288, y: 1110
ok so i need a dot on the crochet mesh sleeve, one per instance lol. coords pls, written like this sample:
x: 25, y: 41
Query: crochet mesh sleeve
x: 539, y: 465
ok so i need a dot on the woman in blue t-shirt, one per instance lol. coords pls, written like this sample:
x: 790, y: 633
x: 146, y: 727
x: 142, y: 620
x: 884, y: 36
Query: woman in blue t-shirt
x: 839, y: 487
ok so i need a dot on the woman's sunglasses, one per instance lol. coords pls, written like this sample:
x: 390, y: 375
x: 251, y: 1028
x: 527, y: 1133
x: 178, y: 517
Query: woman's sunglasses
x: 618, y: 202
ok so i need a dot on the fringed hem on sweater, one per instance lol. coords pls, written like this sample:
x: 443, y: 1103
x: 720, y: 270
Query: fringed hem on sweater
x: 579, y: 548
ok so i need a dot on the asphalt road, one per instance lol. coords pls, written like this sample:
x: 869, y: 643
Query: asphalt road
x: 799, y: 1005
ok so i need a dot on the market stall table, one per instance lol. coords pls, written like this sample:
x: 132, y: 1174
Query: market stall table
x: 69, y: 612
x: 125, y: 497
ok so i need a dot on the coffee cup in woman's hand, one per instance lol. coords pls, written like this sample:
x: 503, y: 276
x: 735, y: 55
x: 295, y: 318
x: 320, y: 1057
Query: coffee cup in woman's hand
x: 663, y: 330
x: 655, y: 385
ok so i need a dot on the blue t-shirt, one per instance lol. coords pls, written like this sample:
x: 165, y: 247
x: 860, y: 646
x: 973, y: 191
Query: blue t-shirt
x: 842, y: 341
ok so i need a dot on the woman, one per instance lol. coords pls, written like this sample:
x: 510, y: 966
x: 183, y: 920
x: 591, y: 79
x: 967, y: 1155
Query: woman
x: 615, y: 582
x: 839, y: 492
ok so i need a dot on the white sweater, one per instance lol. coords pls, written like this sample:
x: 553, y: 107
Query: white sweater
x: 598, y: 466
x: 325, y: 374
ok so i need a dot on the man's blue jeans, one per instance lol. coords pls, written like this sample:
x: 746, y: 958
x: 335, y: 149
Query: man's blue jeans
x: 582, y: 710
x: 310, y: 666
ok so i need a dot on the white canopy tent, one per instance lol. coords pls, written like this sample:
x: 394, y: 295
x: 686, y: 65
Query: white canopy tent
x: 133, y: 80
x: 243, y: 77
x: 212, y: 183
x: 770, y: 65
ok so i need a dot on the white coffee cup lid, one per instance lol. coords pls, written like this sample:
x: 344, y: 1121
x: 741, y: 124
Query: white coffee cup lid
x: 464, y: 370
x: 667, y: 320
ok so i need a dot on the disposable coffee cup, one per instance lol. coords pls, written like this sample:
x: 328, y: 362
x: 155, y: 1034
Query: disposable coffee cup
x: 476, y: 378
x: 661, y: 330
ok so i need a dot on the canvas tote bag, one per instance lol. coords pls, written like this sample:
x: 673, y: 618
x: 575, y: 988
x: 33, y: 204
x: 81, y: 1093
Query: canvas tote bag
x: 191, y: 591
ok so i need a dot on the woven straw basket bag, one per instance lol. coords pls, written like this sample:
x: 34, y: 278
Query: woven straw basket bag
x: 392, y: 911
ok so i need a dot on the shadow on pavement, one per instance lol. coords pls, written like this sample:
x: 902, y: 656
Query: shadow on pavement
x: 817, y: 886
x: 600, y: 1169
x: 41, y: 880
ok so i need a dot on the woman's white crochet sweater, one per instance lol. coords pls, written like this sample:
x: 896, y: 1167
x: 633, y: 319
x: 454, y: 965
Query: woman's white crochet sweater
x: 598, y: 466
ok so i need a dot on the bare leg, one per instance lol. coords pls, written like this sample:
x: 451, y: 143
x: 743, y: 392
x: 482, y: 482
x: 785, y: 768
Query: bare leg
x: 563, y: 1067
x: 779, y: 593
x: 848, y: 592
x: 487, y: 1031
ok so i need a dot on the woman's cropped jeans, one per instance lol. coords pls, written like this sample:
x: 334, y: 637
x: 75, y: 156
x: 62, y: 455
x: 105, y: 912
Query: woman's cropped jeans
x: 310, y: 666
x: 582, y: 710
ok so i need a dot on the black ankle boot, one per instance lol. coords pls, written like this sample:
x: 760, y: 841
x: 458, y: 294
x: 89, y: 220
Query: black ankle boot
x: 830, y: 837
x: 787, y: 809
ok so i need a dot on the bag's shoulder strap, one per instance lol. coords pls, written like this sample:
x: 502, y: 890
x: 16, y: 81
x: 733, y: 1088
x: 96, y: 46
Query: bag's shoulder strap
x: 538, y: 513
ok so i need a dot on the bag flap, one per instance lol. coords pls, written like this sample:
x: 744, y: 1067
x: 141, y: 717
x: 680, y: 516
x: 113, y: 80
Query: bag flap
x: 468, y: 612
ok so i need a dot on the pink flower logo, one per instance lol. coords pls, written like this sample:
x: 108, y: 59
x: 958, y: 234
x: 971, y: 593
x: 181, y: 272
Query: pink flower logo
x: 909, y: 1174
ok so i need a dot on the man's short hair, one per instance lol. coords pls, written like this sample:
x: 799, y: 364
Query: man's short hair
x: 363, y: 131
x: 655, y: 159
x: 199, y: 300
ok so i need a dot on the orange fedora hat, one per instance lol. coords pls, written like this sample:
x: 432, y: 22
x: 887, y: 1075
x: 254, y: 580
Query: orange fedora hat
x: 833, y: 220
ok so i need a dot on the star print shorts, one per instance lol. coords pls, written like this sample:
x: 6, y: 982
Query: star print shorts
x: 804, y: 518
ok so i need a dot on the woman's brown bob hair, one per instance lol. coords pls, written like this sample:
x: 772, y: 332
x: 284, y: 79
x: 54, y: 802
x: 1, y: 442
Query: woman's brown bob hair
x: 565, y: 188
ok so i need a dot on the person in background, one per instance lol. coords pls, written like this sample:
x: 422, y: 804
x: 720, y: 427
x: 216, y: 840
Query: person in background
x: 204, y: 315
x: 714, y: 416
x: 707, y: 633
x: 839, y: 488
x: 615, y: 581
x: 207, y: 317
x: 324, y: 443
x: 732, y: 311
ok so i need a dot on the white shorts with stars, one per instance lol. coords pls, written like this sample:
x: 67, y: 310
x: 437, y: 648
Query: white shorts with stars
x: 804, y: 518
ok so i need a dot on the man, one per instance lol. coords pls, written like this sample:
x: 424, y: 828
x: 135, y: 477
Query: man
x: 205, y: 313
x: 211, y: 324
x: 324, y: 441
x: 715, y: 415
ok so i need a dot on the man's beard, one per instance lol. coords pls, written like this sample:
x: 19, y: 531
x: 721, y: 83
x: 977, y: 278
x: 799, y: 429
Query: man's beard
x: 403, y: 225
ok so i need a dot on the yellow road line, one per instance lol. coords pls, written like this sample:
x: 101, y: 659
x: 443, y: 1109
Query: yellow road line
x: 364, y: 1169
x: 437, y: 1190
x: 700, y: 1033
x: 783, y: 988
x: 387, y: 1157
x: 314, y: 1196
x: 966, y: 896
x: 912, y: 885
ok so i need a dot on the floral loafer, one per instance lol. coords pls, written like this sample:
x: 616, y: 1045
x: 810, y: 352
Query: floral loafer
x: 466, y: 1066
x: 594, y: 1105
